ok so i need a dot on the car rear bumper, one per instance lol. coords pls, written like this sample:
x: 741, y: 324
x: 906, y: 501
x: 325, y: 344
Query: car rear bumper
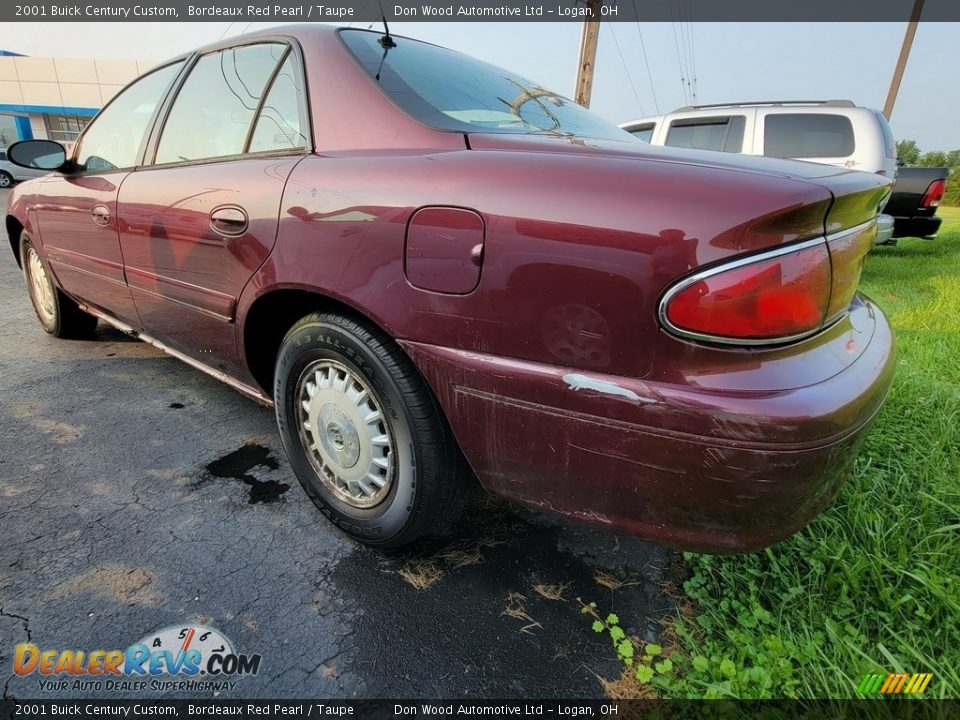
x: 885, y: 229
x: 718, y: 471
x: 922, y: 227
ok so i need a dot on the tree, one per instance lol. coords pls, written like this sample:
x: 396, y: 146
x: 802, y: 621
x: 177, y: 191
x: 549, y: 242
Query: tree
x: 951, y: 198
x: 908, y: 152
x: 934, y: 158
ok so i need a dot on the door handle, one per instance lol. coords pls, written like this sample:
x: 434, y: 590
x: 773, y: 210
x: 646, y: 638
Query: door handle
x: 100, y: 214
x: 229, y: 220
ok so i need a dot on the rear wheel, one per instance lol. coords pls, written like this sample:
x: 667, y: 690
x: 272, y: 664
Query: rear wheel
x: 363, y: 432
x: 58, y: 314
x: 6, y: 179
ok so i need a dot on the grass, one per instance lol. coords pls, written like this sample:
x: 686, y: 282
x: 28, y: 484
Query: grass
x: 873, y: 584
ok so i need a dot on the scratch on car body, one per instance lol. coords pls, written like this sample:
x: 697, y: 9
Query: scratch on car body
x: 576, y: 381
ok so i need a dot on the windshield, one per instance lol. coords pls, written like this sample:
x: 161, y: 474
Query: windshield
x: 452, y: 91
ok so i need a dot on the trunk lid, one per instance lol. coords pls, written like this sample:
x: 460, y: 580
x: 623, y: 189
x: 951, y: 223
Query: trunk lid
x: 793, y: 169
x: 846, y: 217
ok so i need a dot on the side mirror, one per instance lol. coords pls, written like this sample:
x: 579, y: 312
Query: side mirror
x: 37, y: 154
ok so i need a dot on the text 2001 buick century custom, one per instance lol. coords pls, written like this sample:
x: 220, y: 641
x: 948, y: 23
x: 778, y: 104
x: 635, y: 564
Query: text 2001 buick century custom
x: 420, y: 258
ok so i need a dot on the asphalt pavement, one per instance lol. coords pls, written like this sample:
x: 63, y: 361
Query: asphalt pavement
x: 137, y: 493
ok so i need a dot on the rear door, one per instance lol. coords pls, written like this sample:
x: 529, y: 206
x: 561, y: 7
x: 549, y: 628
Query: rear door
x: 201, y: 218
x: 76, y: 213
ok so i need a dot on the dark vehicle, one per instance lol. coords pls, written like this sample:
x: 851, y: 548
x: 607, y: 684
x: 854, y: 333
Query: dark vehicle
x: 421, y: 259
x: 914, y: 201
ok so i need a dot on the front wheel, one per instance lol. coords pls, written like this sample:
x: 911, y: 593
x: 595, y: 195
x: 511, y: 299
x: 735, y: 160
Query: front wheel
x: 58, y: 314
x: 362, y: 431
x: 6, y: 179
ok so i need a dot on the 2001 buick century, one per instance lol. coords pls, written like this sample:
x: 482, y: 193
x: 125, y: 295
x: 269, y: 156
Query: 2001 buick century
x: 420, y: 258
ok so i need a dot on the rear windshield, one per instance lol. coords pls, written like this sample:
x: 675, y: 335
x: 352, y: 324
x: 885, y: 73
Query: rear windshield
x: 452, y: 91
x: 807, y: 135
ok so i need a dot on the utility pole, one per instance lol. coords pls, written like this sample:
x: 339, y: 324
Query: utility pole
x: 902, y: 60
x: 588, y: 53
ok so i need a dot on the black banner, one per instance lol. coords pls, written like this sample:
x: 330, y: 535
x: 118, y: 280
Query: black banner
x: 366, y: 11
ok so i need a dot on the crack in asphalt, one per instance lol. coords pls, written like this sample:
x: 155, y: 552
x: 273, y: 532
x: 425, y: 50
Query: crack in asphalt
x: 26, y: 627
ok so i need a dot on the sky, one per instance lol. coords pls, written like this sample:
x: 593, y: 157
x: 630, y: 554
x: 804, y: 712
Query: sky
x: 731, y: 61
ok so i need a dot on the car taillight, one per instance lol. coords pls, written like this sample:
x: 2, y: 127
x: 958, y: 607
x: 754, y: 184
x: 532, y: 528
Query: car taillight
x: 774, y: 297
x: 931, y: 198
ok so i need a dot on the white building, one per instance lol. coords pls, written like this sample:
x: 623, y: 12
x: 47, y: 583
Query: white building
x: 43, y: 97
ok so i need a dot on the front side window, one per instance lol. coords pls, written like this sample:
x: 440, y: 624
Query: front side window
x: 807, y: 135
x: 451, y: 91
x: 114, y: 136
x: 214, y: 109
x: 724, y: 134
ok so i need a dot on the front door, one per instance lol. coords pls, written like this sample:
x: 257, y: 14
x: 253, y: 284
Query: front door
x: 77, y: 219
x: 199, y: 220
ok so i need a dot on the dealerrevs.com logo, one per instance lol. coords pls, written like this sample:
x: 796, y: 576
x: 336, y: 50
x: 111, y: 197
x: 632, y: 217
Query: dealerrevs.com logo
x: 190, y: 658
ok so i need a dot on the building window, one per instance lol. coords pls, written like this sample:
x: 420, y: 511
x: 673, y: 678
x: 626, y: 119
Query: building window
x: 65, y: 128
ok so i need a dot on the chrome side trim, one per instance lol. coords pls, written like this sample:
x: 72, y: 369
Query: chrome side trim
x: 251, y: 392
x: 740, y: 262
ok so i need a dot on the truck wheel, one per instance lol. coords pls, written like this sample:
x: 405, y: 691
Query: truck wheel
x: 58, y: 314
x: 362, y: 431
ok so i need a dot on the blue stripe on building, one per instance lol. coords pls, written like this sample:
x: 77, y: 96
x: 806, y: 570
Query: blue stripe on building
x: 24, y: 131
x: 48, y: 110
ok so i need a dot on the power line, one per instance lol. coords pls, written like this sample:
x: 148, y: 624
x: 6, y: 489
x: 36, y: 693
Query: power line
x: 646, y: 62
x: 693, y: 48
x: 626, y: 68
x: 676, y: 44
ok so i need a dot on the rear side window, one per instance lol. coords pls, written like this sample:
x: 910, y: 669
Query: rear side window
x: 714, y: 133
x: 214, y: 109
x: 278, y: 125
x: 807, y: 135
x: 643, y: 132
x: 889, y: 142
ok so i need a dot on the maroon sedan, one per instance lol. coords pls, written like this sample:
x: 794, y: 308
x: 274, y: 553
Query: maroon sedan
x: 420, y: 259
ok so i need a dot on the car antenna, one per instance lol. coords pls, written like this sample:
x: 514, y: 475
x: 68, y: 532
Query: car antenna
x: 386, y: 41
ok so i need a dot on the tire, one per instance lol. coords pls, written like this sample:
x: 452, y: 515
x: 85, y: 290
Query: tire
x: 58, y: 314
x: 384, y: 466
x: 6, y: 179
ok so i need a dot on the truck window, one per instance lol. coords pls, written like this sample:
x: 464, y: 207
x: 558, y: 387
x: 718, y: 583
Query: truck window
x: 889, y: 143
x: 643, y: 132
x: 713, y: 133
x: 807, y: 135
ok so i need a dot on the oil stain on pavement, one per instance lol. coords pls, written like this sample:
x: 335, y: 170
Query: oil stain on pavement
x: 239, y: 465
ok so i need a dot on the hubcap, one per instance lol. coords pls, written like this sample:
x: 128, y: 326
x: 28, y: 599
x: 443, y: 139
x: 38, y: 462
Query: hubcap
x: 345, y: 434
x: 41, y: 286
